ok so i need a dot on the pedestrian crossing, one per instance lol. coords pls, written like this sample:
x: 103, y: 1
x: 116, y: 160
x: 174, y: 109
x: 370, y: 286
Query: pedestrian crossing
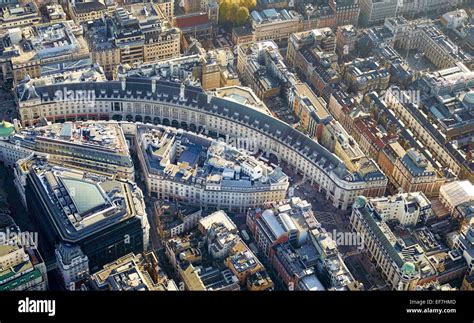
x: 325, y: 217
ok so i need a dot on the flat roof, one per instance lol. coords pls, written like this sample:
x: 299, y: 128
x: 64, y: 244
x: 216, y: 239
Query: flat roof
x: 319, y: 107
x: 218, y: 217
x: 80, y: 202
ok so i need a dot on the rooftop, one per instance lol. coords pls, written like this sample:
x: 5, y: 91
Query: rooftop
x: 203, y: 161
x: 458, y: 191
x: 132, y: 273
x: 242, y: 95
x: 417, y: 164
x: 6, y: 129
x: 50, y: 40
x: 317, y: 104
x: 244, y: 261
x: 192, y: 20
x: 84, y: 6
x: 100, y: 135
x: 408, y: 249
x: 218, y: 217
x: 272, y: 15
x: 281, y: 217
x: 85, y: 196
x: 17, y: 12
x: 82, y: 203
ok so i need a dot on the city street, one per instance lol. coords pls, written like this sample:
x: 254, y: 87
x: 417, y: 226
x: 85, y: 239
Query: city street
x: 336, y: 220
x: 7, y: 106
x: 155, y: 240
x: 365, y: 271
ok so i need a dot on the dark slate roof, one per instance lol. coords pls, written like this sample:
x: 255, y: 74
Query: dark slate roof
x: 403, y: 130
x: 69, y: 252
x: 88, y: 6
x: 372, y: 219
x: 435, y: 133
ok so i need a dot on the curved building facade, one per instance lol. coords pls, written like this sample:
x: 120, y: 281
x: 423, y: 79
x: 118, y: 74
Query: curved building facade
x: 183, y: 166
x: 167, y: 103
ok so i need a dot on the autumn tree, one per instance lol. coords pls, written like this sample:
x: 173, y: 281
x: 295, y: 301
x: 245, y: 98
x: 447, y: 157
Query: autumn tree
x: 241, y: 16
x: 235, y: 12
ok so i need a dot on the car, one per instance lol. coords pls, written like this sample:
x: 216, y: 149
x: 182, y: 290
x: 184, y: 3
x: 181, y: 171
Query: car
x: 245, y: 235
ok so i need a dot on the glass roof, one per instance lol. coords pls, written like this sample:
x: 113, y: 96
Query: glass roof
x: 85, y: 196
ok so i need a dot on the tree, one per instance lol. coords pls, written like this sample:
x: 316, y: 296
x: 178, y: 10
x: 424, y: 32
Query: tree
x: 224, y: 12
x: 235, y: 12
x: 249, y: 4
x: 241, y: 16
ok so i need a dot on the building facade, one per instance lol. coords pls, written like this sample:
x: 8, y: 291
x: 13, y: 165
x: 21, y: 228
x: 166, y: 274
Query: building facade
x: 161, y: 102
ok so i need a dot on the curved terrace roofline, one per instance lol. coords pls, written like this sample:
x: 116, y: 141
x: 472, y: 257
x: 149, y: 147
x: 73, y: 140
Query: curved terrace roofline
x: 165, y: 92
